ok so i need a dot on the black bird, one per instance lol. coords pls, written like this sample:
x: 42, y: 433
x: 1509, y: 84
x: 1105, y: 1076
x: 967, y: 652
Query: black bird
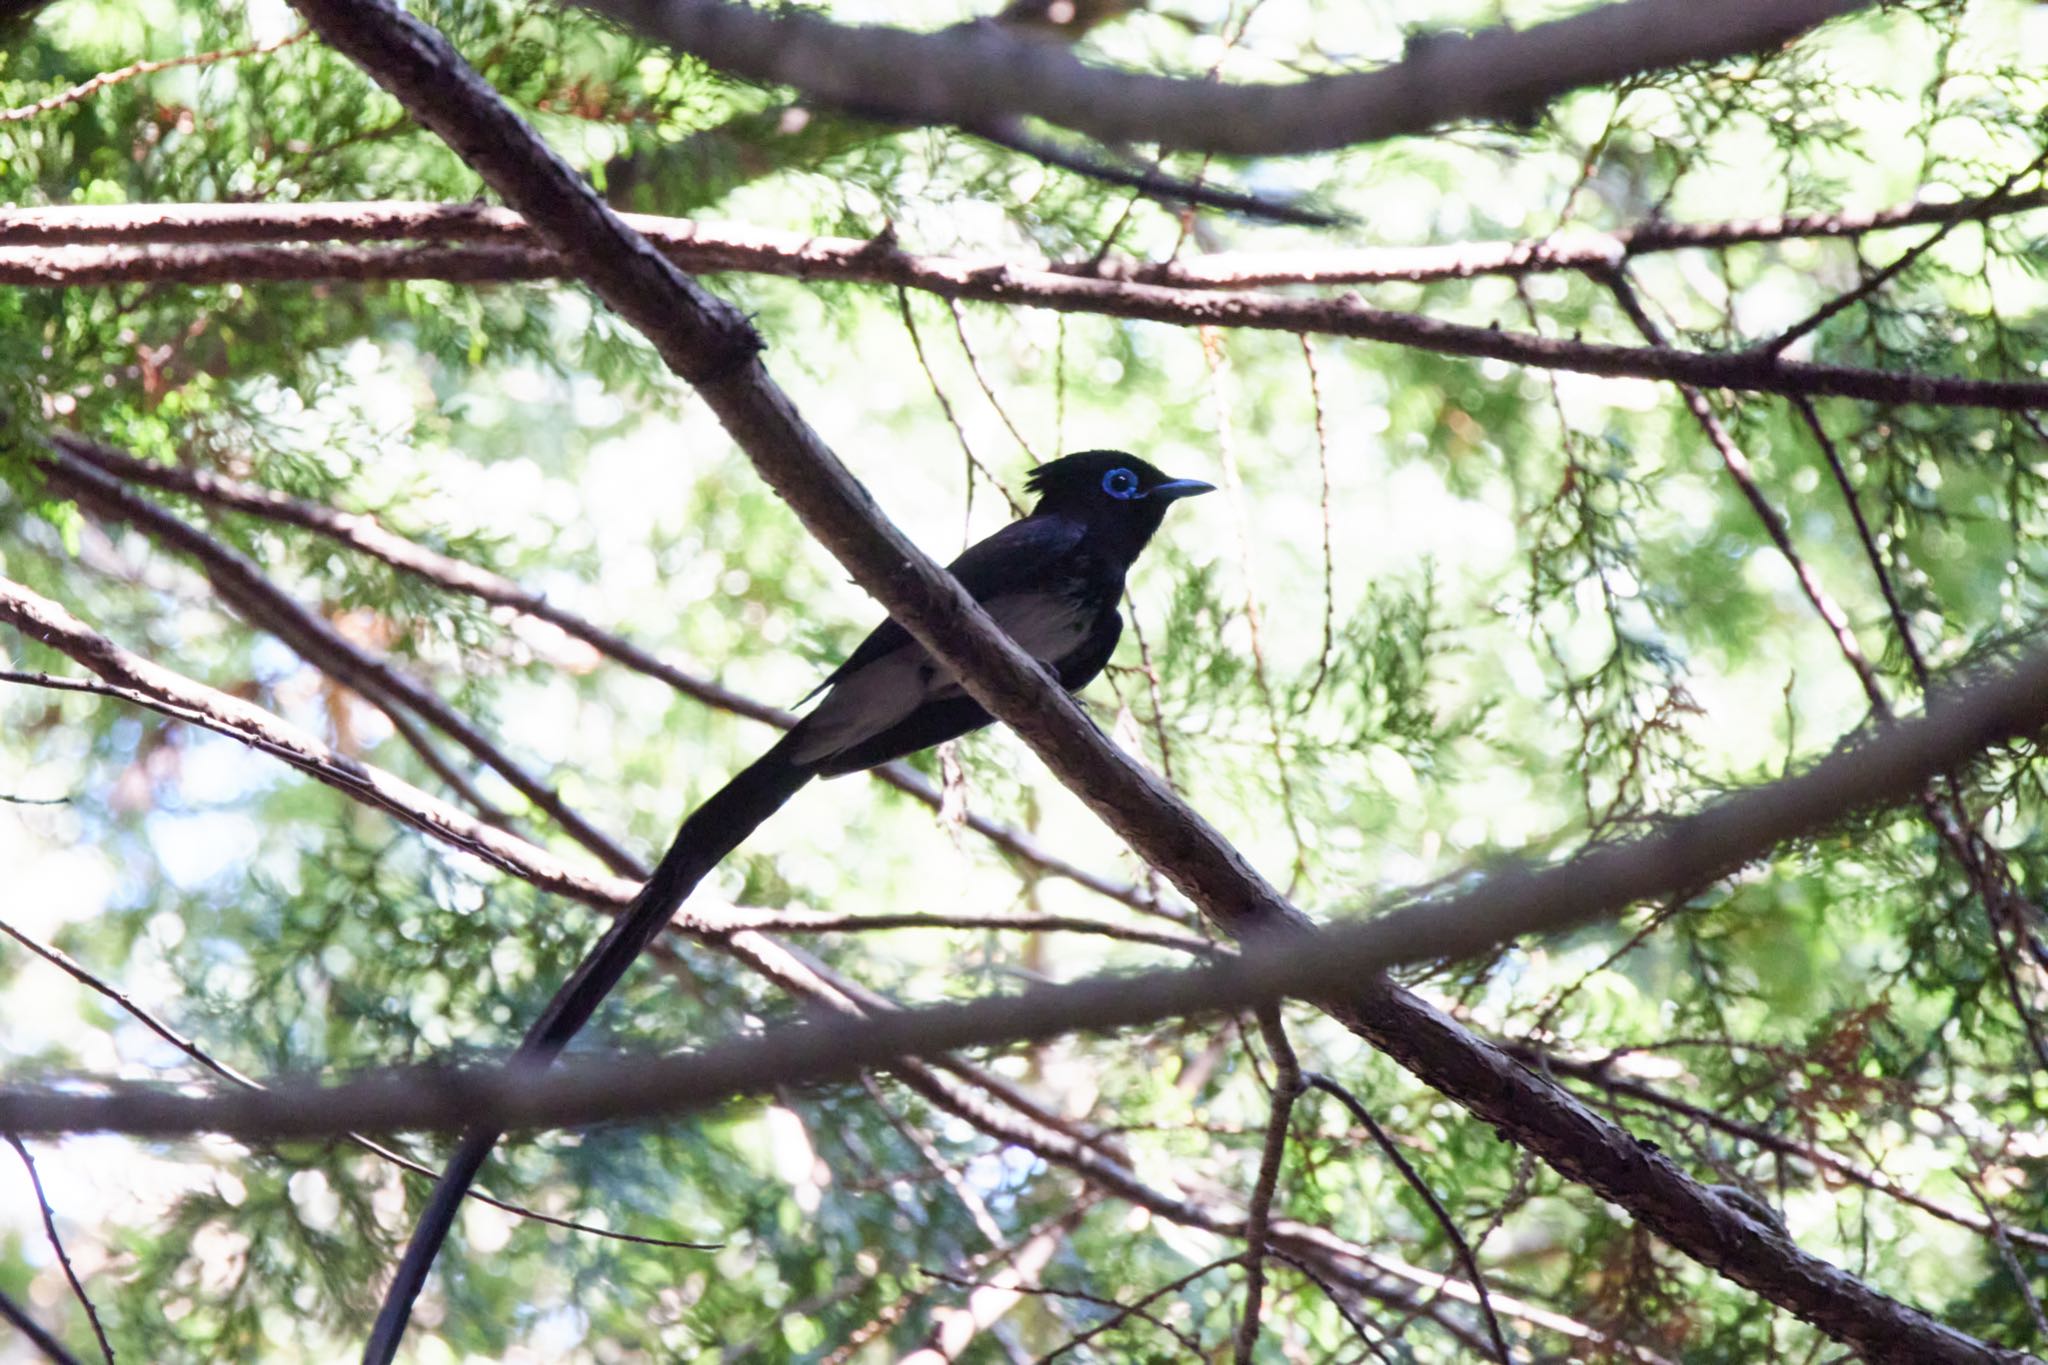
x: 1051, y: 580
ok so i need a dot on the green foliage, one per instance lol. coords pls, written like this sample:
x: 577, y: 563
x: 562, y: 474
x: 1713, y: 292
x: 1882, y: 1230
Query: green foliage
x: 1547, y: 617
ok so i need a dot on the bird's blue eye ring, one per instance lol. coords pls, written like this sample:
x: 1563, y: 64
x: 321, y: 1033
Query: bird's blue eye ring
x: 1120, y: 483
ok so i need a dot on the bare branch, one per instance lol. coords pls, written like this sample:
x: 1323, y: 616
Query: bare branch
x: 706, y: 246
x: 1003, y: 282
x: 87, y: 89
x: 35, y: 1180
x: 246, y: 587
x: 972, y: 74
x: 38, y: 1335
x: 1415, y: 1181
x: 1259, y: 1219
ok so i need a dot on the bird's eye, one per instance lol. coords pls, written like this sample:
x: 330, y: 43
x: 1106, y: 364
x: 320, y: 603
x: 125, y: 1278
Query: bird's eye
x: 1120, y: 483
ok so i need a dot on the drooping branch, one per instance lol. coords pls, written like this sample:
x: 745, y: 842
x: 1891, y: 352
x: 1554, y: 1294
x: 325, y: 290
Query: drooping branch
x: 708, y: 344
x: 976, y: 73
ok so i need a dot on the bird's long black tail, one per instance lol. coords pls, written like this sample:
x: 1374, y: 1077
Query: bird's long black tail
x: 713, y: 830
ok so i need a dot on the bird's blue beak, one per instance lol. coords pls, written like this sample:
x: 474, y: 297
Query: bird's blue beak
x: 1175, y: 489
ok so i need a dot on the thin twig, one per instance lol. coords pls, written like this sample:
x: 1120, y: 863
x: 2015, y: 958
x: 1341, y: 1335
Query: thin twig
x: 1744, y: 474
x: 1868, y: 540
x: 2006, y: 1257
x: 1126, y: 1311
x: 1878, y: 279
x: 1233, y: 481
x: 1149, y: 182
x: 974, y: 464
x: 89, y: 88
x: 970, y: 1199
x: 1323, y: 656
x: 1318, y: 1081
x: 987, y: 389
x: 92, y: 1314
x: 1287, y: 1086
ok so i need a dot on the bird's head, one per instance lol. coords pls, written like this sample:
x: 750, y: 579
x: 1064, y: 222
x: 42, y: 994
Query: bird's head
x: 1117, y: 493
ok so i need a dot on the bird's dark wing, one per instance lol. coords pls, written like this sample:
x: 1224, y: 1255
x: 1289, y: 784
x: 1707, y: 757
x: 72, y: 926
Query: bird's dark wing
x: 1021, y: 557
x: 891, y: 692
x: 949, y: 717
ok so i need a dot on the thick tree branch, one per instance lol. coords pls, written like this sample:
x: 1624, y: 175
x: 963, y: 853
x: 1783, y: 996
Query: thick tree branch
x: 707, y: 343
x: 976, y: 73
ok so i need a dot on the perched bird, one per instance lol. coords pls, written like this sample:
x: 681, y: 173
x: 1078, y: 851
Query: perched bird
x: 1051, y: 580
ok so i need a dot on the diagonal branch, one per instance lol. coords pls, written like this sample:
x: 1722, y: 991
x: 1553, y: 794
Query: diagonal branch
x: 1392, y: 1151
x: 972, y: 74
x: 244, y: 586
x: 34, y: 1332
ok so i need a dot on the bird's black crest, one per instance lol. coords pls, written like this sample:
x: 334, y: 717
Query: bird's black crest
x: 1085, y: 468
